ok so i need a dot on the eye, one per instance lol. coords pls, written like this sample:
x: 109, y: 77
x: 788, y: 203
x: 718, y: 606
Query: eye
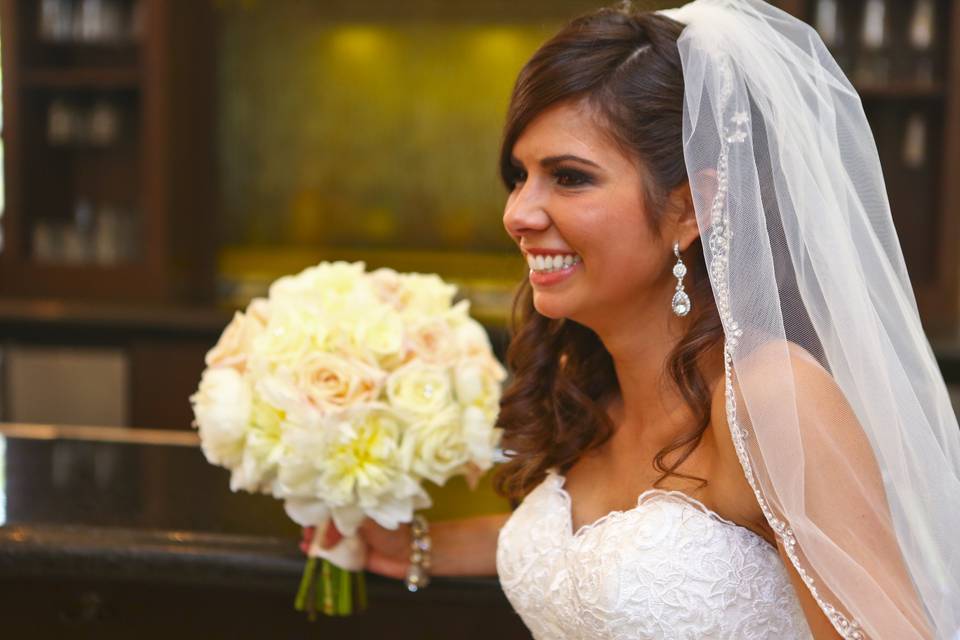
x: 571, y: 178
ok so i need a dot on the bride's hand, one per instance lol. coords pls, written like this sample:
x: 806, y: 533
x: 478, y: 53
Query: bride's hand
x: 388, y: 550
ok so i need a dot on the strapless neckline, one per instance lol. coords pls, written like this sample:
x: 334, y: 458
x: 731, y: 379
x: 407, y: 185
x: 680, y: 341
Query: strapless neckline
x: 645, y: 498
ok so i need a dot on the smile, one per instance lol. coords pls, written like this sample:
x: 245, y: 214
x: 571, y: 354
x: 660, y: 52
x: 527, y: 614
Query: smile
x: 548, y: 264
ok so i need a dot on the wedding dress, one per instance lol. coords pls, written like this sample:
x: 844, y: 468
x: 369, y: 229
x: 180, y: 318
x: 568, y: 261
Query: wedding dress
x: 667, y: 568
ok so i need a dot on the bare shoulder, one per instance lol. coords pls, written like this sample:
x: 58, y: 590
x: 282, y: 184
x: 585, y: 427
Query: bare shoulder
x: 731, y: 490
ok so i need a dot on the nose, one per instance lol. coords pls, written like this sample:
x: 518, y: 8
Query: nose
x: 525, y: 212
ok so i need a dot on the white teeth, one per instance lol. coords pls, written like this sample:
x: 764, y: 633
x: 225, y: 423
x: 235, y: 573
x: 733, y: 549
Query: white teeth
x: 547, y: 264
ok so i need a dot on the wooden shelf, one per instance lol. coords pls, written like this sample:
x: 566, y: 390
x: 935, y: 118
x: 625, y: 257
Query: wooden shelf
x: 82, y: 78
x: 161, y: 165
x: 900, y: 90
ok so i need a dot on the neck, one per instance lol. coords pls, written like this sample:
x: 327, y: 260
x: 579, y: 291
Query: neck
x: 649, y: 410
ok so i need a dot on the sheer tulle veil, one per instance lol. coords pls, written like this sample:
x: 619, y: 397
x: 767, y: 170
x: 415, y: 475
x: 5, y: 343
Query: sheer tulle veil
x: 838, y: 411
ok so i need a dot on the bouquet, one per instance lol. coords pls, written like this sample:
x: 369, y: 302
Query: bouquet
x: 340, y: 393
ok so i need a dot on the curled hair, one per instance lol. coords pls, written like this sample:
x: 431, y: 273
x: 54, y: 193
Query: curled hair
x: 625, y: 67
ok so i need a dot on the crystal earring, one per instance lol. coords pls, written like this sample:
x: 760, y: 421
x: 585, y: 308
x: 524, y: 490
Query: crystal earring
x: 681, y: 301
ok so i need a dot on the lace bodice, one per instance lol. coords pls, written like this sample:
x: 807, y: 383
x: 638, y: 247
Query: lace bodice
x: 668, y: 568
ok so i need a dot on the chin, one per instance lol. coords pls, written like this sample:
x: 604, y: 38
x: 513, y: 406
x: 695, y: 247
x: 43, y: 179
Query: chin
x: 553, y: 309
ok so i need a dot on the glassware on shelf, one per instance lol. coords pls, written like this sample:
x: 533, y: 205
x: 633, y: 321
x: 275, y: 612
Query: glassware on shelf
x: 105, y: 236
x: 103, y: 124
x: 921, y: 38
x: 45, y: 241
x: 828, y: 21
x: 69, y: 124
x: 914, y: 152
x: 55, y: 20
x: 78, y: 243
x: 61, y: 122
x: 88, y: 21
x: 873, y: 61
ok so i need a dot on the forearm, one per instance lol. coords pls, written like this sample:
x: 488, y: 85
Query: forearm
x: 467, y: 546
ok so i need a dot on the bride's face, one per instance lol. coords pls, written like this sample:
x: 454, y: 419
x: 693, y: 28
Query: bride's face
x: 575, y: 192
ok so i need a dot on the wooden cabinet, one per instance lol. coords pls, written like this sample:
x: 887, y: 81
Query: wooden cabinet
x: 904, y: 58
x: 108, y: 111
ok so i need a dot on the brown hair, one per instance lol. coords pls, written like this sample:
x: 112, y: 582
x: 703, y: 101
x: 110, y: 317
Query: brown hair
x: 626, y: 67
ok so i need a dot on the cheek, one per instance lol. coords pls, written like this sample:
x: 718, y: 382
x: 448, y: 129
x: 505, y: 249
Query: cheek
x: 621, y: 264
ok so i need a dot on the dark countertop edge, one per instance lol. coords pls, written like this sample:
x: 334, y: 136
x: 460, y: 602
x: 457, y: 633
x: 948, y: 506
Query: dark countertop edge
x: 189, y: 558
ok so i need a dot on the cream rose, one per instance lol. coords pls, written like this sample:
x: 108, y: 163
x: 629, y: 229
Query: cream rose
x: 419, y: 388
x: 330, y: 382
x: 431, y: 340
x: 235, y: 342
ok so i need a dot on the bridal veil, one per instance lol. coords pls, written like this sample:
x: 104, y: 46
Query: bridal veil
x: 837, y: 408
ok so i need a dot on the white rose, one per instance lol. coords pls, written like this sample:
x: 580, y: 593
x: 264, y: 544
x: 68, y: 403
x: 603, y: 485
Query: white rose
x: 477, y: 382
x: 472, y: 338
x: 222, y: 407
x: 323, y: 281
x: 292, y: 332
x: 427, y: 294
x: 434, y: 447
x: 419, y: 387
x: 480, y: 436
x: 330, y: 382
x: 382, y: 335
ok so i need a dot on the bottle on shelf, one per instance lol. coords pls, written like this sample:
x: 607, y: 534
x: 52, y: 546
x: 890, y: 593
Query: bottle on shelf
x: 921, y: 38
x: 873, y: 59
x: 89, y: 21
x: 828, y: 21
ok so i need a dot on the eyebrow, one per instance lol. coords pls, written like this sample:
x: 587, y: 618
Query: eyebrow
x: 551, y: 161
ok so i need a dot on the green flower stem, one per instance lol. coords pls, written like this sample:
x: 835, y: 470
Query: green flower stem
x: 305, y: 580
x: 361, y: 583
x: 327, y: 590
x: 344, y: 600
x: 330, y: 590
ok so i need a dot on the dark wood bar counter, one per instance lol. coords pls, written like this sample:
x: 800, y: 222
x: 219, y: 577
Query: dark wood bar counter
x: 123, y: 533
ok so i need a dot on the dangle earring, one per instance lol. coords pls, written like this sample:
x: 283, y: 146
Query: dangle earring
x: 681, y: 301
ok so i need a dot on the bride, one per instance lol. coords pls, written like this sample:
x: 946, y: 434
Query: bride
x: 725, y: 420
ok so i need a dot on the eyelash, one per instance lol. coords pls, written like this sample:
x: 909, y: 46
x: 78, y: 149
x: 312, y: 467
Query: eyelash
x: 579, y: 177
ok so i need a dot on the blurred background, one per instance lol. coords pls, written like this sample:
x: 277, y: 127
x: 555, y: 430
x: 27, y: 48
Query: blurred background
x: 165, y: 160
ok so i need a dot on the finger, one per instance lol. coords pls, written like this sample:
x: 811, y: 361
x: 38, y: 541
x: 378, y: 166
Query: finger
x: 331, y: 536
x: 308, y: 533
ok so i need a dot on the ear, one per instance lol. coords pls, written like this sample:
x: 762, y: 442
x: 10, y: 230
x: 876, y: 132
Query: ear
x: 685, y: 229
